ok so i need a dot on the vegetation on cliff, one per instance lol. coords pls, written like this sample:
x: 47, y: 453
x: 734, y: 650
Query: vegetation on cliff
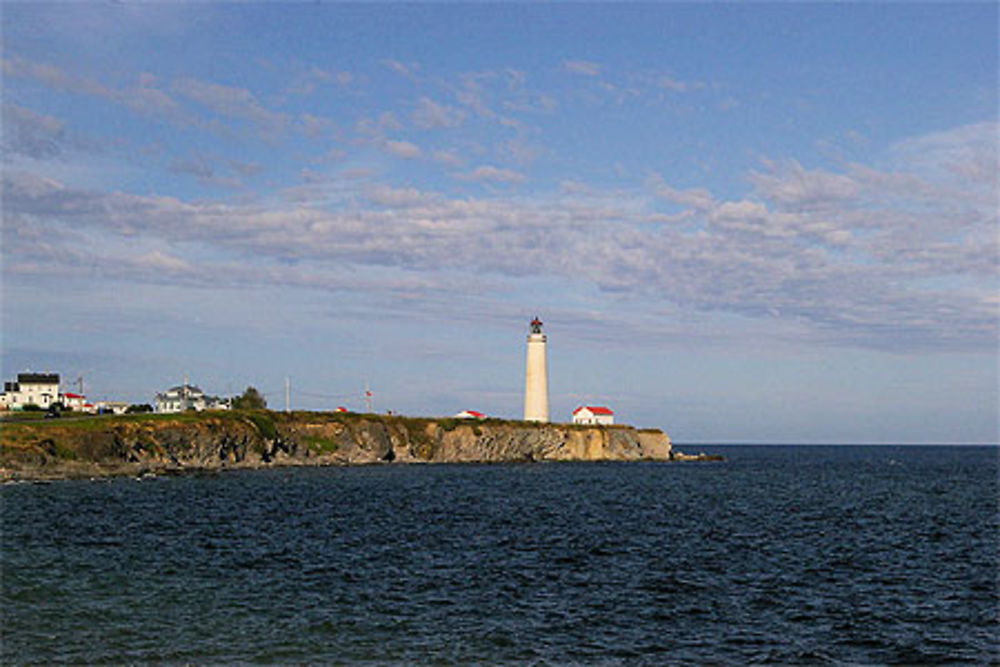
x: 127, y: 444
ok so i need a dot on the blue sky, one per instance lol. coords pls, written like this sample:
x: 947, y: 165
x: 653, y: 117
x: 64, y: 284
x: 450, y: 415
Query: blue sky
x: 757, y: 222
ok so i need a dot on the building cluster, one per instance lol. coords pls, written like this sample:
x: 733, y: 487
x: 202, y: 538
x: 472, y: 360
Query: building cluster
x: 44, y: 391
x: 186, y: 397
x: 591, y: 415
x: 536, y: 388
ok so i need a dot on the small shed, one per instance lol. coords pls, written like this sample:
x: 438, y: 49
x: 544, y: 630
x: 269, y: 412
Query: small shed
x: 470, y: 414
x: 594, y: 415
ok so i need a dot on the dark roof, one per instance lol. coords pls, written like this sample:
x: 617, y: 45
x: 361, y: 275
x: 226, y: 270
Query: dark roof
x: 38, y: 378
x: 180, y: 388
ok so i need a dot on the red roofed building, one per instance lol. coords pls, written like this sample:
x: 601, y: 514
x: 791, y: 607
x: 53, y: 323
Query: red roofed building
x: 73, y: 401
x: 593, y: 414
x: 470, y: 414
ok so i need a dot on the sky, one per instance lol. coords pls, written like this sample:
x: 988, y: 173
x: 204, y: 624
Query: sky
x: 739, y: 223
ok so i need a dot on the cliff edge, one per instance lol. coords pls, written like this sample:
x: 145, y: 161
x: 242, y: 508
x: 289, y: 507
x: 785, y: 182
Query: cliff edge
x: 138, y: 444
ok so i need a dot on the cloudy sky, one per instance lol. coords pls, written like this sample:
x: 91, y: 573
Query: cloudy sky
x: 771, y: 223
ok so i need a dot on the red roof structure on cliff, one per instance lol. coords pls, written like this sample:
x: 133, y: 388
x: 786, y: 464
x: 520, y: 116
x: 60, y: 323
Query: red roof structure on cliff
x: 595, y: 409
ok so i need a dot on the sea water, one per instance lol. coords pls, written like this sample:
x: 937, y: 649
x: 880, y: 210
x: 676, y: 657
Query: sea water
x: 806, y: 554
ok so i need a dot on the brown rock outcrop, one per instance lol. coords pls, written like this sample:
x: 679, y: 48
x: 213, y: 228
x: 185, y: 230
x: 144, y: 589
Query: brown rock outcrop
x: 210, y: 441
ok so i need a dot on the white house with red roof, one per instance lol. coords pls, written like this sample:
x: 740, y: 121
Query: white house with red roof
x: 470, y: 414
x: 73, y: 401
x: 593, y: 415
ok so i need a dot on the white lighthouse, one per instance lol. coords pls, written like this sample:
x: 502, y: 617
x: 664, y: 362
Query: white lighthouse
x: 536, y: 379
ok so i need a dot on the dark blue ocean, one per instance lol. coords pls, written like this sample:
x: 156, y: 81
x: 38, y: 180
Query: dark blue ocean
x: 805, y: 554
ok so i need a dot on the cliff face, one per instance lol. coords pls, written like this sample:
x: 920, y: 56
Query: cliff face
x: 163, y: 443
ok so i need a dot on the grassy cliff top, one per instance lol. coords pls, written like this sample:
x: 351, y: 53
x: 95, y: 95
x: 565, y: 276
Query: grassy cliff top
x: 14, y: 421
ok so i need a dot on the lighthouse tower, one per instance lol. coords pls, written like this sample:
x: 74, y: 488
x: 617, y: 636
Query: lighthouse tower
x: 536, y: 379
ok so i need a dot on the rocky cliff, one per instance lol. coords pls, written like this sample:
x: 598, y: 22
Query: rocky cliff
x: 207, y: 441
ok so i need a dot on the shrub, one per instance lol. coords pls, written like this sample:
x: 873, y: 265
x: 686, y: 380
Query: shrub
x: 265, y: 425
x: 251, y: 399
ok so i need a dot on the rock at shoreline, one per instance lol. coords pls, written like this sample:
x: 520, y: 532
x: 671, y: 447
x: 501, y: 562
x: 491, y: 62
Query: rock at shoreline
x: 701, y: 456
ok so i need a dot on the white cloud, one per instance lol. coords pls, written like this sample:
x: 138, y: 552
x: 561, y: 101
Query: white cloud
x: 408, y: 70
x: 161, y: 261
x: 447, y: 157
x: 898, y: 270
x: 697, y: 198
x: 571, y: 187
x: 790, y: 184
x: 377, y: 127
x: 308, y: 79
x: 55, y: 77
x: 431, y: 115
x: 28, y: 133
x: 403, y: 149
x: 673, y: 84
x: 495, y: 174
x: 145, y: 98
x: 214, y: 170
x: 584, y: 67
x: 519, y: 151
x: 148, y: 99
x: 315, y: 126
x: 968, y: 152
x: 231, y: 101
x: 390, y: 197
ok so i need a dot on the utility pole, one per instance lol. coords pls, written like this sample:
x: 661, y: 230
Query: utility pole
x: 288, y: 394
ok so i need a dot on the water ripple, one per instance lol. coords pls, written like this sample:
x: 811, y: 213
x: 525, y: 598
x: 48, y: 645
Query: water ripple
x: 783, y: 555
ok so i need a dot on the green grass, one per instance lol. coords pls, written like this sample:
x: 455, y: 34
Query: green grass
x: 264, y: 423
x: 14, y: 416
x: 318, y: 444
x: 100, y: 422
x: 266, y: 419
x: 64, y: 452
x: 449, y: 424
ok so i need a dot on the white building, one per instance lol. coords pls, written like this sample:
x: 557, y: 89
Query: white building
x: 188, y: 397
x: 111, y: 407
x: 536, y: 376
x: 41, y: 389
x: 593, y: 415
x: 73, y: 401
x: 470, y: 414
